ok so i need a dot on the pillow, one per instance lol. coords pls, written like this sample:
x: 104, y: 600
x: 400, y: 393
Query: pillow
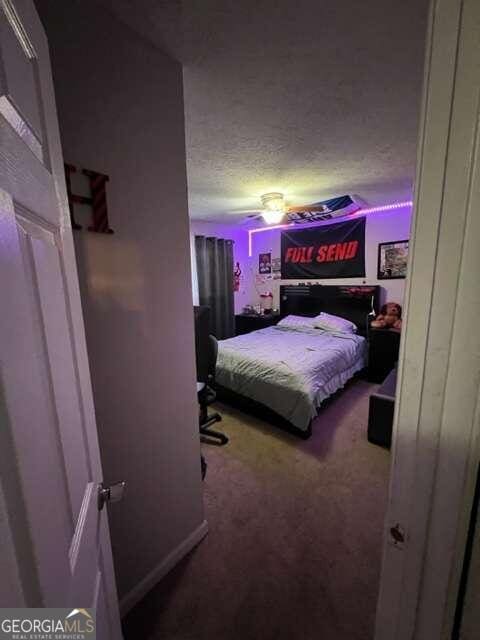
x: 334, y: 323
x: 297, y: 321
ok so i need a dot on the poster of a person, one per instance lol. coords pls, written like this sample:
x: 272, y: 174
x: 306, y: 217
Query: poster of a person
x: 265, y: 263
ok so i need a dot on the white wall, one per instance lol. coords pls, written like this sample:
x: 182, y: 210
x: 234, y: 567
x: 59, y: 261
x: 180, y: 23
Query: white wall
x: 120, y: 106
x: 380, y: 227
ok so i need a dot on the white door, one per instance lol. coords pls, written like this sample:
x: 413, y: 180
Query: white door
x: 50, y: 525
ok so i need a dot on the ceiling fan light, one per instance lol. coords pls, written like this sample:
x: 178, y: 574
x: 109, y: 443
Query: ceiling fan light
x: 274, y: 207
x: 272, y: 216
x: 273, y: 201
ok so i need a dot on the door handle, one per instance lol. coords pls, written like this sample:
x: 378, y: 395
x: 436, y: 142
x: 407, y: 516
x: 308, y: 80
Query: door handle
x: 112, y: 493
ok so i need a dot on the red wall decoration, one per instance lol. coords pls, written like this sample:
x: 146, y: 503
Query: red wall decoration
x: 237, y: 273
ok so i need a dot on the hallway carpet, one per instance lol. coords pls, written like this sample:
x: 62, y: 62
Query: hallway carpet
x: 295, y: 535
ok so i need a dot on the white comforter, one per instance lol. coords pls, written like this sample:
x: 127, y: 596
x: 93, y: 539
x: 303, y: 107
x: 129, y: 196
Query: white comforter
x: 290, y: 370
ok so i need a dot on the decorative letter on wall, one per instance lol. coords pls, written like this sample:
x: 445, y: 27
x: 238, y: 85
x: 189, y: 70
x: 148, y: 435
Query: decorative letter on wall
x: 97, y: 200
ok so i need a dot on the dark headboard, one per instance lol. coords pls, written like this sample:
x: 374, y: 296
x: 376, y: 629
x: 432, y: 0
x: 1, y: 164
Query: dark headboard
x: 348, y: 301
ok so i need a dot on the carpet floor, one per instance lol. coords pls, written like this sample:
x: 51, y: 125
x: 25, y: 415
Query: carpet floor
x: 295, y: 535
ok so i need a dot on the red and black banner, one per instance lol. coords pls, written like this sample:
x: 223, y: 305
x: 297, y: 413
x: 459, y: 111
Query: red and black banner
x: 330, y: 251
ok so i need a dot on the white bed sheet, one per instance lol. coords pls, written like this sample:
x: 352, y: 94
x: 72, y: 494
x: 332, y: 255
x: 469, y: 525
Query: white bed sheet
x: 290, y: 370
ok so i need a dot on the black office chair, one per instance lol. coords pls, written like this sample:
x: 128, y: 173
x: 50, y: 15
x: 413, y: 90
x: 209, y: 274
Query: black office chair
x: 206, y: 396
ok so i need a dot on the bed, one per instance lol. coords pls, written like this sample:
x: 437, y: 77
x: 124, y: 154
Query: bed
x: 285, y: 373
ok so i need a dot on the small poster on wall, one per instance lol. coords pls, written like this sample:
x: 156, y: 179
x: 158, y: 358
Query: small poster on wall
x: 276, y: 268
x: 265, y: 263
x: 392, y: 260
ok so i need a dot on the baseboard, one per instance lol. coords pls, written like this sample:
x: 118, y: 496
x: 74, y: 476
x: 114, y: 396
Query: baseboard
x: 161, y: 570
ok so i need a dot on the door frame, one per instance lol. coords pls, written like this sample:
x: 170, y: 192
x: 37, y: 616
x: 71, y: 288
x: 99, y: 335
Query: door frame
x: 437, y: 414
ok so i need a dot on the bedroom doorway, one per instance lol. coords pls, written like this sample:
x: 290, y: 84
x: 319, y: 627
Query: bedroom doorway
x: 227, y: 580
x: 418, y: 588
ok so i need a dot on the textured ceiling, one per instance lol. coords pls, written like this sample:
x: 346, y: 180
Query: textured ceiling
x: 315, y: 98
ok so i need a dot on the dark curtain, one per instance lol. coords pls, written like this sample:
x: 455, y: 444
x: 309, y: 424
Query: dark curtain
x: 215, y: 283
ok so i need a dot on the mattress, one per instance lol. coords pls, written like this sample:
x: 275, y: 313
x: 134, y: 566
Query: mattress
x: 290, y: 370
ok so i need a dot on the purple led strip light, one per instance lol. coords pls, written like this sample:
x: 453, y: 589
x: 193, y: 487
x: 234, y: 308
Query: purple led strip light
x: 383, y: 207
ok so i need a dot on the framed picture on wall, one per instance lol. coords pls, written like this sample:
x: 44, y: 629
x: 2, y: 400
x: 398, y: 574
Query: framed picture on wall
x: 392, y: 260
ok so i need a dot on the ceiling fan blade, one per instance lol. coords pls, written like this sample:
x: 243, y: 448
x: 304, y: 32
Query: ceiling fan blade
x: 244, y: 211
x: 314, y: 207
x: 252, y: 217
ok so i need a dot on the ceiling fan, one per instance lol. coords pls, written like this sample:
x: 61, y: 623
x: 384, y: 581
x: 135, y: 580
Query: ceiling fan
x: 275, y: 210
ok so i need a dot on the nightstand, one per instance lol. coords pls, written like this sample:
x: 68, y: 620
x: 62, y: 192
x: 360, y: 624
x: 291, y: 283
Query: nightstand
x: 383, y: 346
x: 244, y: 323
